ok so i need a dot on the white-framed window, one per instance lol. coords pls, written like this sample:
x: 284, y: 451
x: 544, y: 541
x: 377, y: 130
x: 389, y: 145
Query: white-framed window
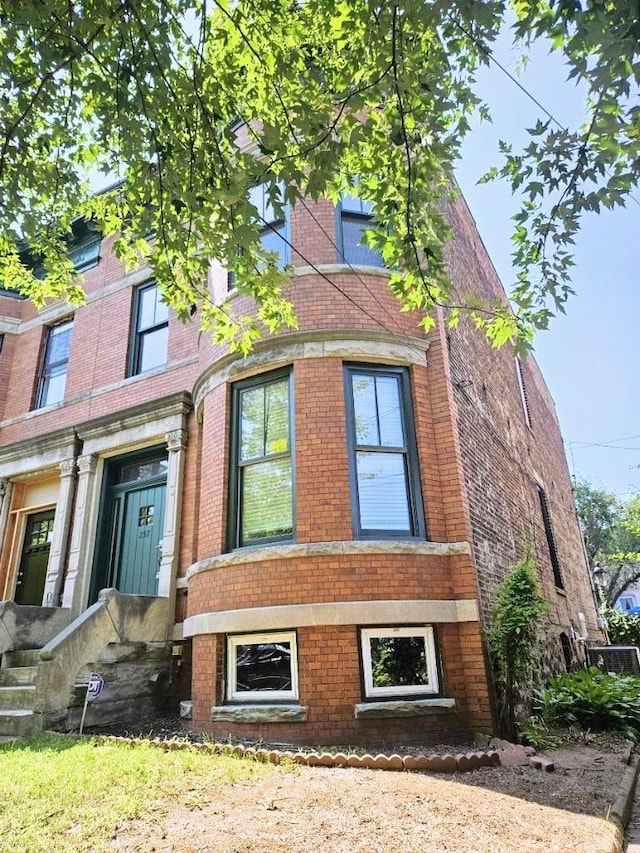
x: 399, y: 661
x: 262, y: 667
x: 626, y: 602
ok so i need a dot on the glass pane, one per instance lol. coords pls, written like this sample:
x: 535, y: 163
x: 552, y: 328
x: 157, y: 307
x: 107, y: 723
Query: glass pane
x: 153, y: 348
x: 382, y: 491
x: 277, y: 418
x: 272, y: 239
x: 266, y: 500
x: 263, y: 666
x: 143, y: 470
x: 364, y: 405
x: 389, y: 413
x: 354, y: 250
x: 252, y: 439
x: 398, y: 661
x: 53, y: 388
x: 151, y: 309
x: 59, y: 344
x: 353, y: 204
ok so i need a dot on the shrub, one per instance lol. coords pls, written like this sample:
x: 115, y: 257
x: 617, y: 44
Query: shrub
x: 517, y: 614
x: 594, y: 700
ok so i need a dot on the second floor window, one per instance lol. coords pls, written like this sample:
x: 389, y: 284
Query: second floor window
x: 151, y: 332
x: 273, y: 225
x: 262, y: 469
x: 354, y: 217
x: 384, y: 466
x: 53, y: 375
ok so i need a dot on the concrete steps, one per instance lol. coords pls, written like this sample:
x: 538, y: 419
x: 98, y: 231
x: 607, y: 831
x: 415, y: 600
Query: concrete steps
x: 18, y: 676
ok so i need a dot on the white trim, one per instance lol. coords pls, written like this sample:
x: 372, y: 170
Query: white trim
x: 233, y: 694
x: 331, y: 613
x: 426, y: 632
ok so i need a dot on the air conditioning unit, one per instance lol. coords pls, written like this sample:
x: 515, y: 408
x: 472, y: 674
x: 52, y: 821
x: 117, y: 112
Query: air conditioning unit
x: 615, y: 658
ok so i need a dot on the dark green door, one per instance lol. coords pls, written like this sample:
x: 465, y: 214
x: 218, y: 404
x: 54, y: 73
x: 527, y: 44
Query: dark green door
x: 131, y: 524
x: 35, y: 558
x: 142, y: 525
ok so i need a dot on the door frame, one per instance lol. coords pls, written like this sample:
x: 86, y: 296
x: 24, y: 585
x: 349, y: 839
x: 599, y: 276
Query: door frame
x: 17, y: 542
x: 50, y: 511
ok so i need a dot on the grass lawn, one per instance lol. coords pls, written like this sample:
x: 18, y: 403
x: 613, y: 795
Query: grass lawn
x: 60, y: 794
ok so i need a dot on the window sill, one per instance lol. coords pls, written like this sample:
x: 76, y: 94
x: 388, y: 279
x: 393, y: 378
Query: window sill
x: 403, y: 708
x: 259, y: 713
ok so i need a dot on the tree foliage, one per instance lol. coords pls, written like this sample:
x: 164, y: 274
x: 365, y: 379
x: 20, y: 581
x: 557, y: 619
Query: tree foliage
x: 611, y: 530
x: 328, y: 92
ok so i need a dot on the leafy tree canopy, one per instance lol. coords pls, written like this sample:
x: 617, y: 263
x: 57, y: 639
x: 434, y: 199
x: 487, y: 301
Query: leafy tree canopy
x: 154, y: 93
x: 611, y: 530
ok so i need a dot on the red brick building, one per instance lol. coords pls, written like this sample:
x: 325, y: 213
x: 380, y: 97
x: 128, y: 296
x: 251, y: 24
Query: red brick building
x: 316, y: 529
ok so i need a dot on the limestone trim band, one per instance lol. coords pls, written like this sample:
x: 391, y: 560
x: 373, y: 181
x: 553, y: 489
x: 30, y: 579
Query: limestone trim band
x: 244, y: 556
x: 331, y: 613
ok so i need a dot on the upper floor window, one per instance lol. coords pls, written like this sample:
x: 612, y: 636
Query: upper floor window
x: 151, y: 329
x: 523, y: 392
x: 551, y: 542
x: 355, y: 215
x: 53, y: 374
x: 384, y: 466
x: 262, y: 472
x: 273, y: 224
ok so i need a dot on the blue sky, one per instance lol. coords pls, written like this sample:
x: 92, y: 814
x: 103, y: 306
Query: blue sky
x: 589, y: 357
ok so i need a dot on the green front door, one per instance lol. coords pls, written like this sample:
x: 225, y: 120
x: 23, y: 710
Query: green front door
x: 142, y: 525
x: 131, y: 523
x: 35, y: 558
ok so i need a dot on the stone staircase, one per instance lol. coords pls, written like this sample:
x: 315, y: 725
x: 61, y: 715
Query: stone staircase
x: 18, y: 676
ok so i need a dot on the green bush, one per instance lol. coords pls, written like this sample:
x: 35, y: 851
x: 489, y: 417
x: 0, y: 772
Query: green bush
x: 594, y: 700
x: 624, y: 628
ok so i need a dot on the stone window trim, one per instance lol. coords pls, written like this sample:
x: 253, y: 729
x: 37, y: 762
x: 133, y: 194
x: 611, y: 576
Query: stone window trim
x: 372, y: 691
x: 401, y: 449
x: 402, y: 708
x: 270, y: 693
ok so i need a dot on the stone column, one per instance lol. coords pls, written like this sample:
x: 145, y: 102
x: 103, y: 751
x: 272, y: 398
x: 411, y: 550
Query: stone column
x: 6, y: 488
x: 76, y: 585
x: 61, y: 528
x: 176, y: 445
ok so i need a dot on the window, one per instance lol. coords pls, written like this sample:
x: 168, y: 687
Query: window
x: 626, y: 602
x: 354, y: 216
x: 53, y: 375
x: 151, y: 335
x: 523, y: 393
x: 399, y: 661
x: 262, y: 667
x: 274, y: 230
x: 1, y: 342
x: 548, y: 529
x: 385, y: 482
x: 262, y: 476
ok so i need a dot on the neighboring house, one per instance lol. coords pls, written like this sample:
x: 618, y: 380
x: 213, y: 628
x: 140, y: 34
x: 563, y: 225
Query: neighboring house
x: 307, y: 539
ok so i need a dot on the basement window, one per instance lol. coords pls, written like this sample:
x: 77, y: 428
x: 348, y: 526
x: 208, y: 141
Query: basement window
x: 262, y: 667
x: 399, y: 661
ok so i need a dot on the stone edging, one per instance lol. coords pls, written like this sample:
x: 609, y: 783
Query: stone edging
x: 460, y: 763
x: 621, y: 809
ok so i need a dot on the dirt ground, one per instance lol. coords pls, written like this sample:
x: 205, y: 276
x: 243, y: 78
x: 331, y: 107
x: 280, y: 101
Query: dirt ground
x: 493, y: 810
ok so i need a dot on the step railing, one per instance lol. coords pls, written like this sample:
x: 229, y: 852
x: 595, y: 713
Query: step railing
x: 24, y: 626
